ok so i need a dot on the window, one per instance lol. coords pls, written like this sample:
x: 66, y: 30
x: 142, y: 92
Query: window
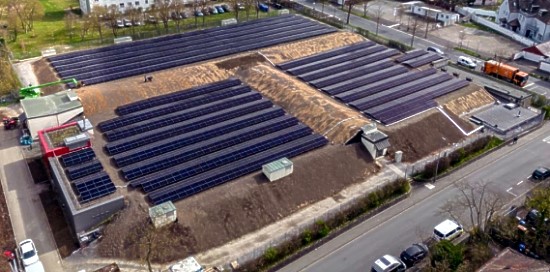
x: 129, y: 4
x: 146, y: 2
x: 121, y: 5
x: 137, y: 3
x: 539, y: 37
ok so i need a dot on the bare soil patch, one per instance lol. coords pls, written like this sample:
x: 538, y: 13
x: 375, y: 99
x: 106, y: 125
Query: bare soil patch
x: 45, y: 73
x: 466, y: 100
x: 221, y: 214
x: 420, y: 136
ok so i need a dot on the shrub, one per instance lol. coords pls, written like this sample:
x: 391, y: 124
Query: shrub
x: 445, y: 251
x: 322, y: 229
x: 373, y: 200
x: 271, y: 255
x: 539, y: 101
x: 307, y: 237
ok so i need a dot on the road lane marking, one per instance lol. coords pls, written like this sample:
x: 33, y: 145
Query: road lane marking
x: 508, y: 191
x: 520, y: 182
x: 528, y: 177
x: 546, y: 140
x: 392, y: 26
x: 429, y: 186
x: 527, y: 86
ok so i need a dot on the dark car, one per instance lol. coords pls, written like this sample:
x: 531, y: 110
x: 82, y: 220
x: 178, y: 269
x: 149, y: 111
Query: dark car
x: 541, y: 173
x: 220, y: 9
x: 226, y: 8
x: 414, y: 254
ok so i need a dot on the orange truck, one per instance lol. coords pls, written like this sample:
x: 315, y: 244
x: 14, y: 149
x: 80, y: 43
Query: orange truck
x: 505, y: 71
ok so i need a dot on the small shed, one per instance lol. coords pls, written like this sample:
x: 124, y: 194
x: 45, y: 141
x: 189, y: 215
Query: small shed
x: 50, y: 111
x: 163, y: 214
x: 375, y: 141
x: 278, y: 169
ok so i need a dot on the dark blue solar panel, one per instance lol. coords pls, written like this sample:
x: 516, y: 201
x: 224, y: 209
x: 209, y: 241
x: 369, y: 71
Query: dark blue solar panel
x: 314, y: 66
x: 237, y: 169
x: 91, y: 181
x: 178, y: 112
x: 350, y: 84
x: 350, y: 74
x: 154, y: 42
x: 384, y: 84
x: 182, y: 140
x: 97, y: 192
x: 77, y: 157
x: 328, y: 71
x: 138, y: 120
x: 423, y: 60
x: 325, y: 55
x: 84, y: 169
x: 186, y: 126
x: 411, y: 55
x: 176, y: 96
x: 170, y: 172
x: 194, y: 151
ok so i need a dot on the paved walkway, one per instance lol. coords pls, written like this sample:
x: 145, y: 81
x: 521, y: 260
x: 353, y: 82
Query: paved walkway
x: 22, y: 195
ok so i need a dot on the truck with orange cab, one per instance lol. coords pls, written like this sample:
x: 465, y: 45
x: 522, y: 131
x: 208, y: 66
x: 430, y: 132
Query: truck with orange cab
x: 505, y: 71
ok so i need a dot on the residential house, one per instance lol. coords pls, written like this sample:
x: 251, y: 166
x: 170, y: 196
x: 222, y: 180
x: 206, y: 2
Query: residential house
x: 443, y: 17
x: 529, y: 18
x: 87, y: 5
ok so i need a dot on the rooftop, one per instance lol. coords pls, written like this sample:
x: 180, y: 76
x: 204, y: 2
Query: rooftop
x: 51, y: 104
x: 511, y: 260
x: 504, y: 119
x: 515, y: 93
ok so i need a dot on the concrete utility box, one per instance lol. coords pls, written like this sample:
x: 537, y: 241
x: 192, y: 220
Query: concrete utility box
x: 231, y: 21
x: 163, y: 214
x: 278, y: 169
x: 398, y: 156
x: 187, y: 265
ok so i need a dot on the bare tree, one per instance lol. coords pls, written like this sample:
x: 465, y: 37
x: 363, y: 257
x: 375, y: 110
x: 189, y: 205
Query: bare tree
x: 413, y: 26
x: 235, y: 6
x: 480, y: 203
x: 203, y: 6
x: 378, y: 13
x: 97, y: 16
x: 247, y: 6
x: 163, y: 9
x: 461, y: 37
x: 85, y: 24
x: 113, y: 15
x: 70, y: 23
x: 350, y: 4
x: 323, y: 2
x: 27, y: 11
x: 134, y: 15
x: 399, y: 12
x: 178, y: 9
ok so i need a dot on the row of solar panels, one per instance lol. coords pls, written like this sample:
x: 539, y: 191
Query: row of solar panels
x: 365, y: 77
x: 101, y: 65
x: 86, y: 175
x: 211, y: 127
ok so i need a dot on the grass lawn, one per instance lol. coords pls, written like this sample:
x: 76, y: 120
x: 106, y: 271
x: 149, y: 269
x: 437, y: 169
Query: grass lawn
x: 50, y: 30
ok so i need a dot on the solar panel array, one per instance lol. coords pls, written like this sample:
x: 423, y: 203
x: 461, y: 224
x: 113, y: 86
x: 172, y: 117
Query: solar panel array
x: 365, y: 77
x: 146, y: 56
x: 86, y: 175
x: 157, y: 143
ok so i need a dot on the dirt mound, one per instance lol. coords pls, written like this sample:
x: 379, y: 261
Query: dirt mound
x: 221, y: 214
x: 45, y: 73
x: 242, y: 62
x: 290, y: 51
x: 421, y: 136
x: 469, y: 101
x: 323, y: 114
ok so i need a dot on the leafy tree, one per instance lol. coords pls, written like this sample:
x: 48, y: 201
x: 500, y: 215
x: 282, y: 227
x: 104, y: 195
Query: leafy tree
x: 451, y: 4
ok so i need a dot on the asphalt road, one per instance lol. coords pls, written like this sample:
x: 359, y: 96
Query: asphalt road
x: 412, y: 220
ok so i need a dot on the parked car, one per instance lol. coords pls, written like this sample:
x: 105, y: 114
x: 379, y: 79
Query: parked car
x: 184, y: 15
x: 28, y: 252
x: 212, y: 10
x: 541, y: 173
x: 240, y: 6
x: 447, y: 230
x: 219, y: 9
x: 198, y: 13
x: 532, y: 218
x: 388, y: 263
x: 175, y: 16
x: 226, y: 8
x: 465, y: 61
x: 414, y: 254
x: 435, y: 50
x: 205, y: 11
x: 137, y: 23
x: 151, y: 19
x: 119, y: 23
x: 263, y: 7
x: 127, y: 23
x: 277, y: 6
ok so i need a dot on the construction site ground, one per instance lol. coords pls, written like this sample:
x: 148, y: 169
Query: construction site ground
x: 225, y: 213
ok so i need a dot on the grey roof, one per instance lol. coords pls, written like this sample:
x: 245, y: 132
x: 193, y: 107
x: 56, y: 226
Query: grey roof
x: 508, y: 91
x: 51, y: 104
x: 375, y: 136
x: 382, y: 144
x: 504, y: 118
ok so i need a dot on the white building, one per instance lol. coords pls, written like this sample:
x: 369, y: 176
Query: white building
x: 87, y: 5
x: 418, y: 8
x: 530, y: 18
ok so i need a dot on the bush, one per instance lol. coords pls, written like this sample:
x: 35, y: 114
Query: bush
x: 271, y: 255
x: 373, y: 200
x: 322, y: 229
x: 539, y: 101
x: 446, y: 252
x: 546, y: 109
x: 307, y: 237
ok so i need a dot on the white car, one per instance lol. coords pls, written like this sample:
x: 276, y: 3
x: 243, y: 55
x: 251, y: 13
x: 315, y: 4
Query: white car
x: 465, y: 61
x: 435, y: 50
x: 388, y: 263
x: 29, y: 254
x: 447, y: 230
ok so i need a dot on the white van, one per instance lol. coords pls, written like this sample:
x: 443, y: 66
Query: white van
x: 447, y: 230
x: 465, y: 61
x: 388, y: 263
